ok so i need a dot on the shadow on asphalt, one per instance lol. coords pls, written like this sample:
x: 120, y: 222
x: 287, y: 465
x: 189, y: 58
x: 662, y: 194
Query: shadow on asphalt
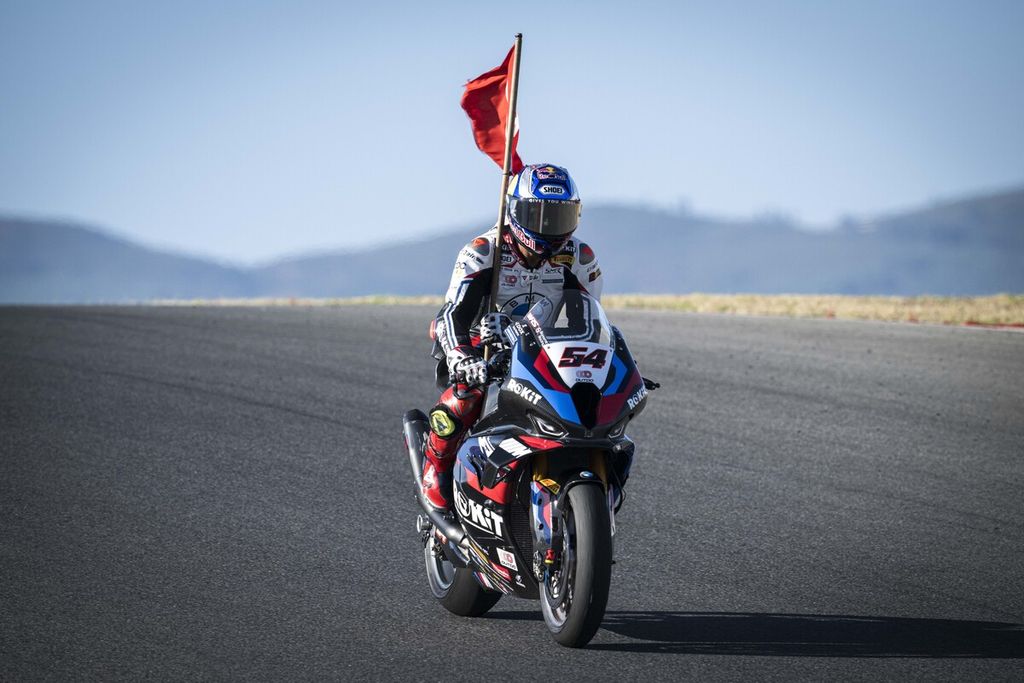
x: 804, y: 635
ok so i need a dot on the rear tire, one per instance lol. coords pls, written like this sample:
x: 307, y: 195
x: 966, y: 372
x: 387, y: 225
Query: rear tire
x: 574, y: 599
x: 455, y: 587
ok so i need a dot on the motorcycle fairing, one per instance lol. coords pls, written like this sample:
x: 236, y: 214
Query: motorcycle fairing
x: 540, y: 502
x: 537, y: 371
x: 532, y: 366
x: 522, y: 497
x: 489, y: 460
x: 487, y: 513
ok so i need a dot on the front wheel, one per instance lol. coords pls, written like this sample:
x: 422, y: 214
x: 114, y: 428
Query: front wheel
x: 575, y: 593
x: 454, y: 587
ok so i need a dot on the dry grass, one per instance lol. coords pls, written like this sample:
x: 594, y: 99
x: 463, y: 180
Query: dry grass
x: 1002, y: 309
x: 375, y: 300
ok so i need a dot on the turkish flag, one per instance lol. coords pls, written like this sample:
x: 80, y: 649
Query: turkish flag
x: 486, y: 102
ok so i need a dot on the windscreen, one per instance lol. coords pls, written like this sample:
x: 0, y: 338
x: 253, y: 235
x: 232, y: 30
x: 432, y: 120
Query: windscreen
x: 574, y: 316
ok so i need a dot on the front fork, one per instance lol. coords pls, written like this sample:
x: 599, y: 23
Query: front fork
x: 545, y: 517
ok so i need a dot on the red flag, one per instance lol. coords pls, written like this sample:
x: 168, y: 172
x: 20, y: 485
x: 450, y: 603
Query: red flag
x: 486, y: 101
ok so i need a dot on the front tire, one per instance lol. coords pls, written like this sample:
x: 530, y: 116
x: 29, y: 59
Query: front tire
x: 455, y: 587
x: 574, y: 596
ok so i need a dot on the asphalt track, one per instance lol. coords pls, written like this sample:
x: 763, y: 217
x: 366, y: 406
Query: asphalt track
x: 222, y: 493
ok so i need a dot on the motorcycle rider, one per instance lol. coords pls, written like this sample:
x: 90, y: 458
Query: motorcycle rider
x: 539, y: 257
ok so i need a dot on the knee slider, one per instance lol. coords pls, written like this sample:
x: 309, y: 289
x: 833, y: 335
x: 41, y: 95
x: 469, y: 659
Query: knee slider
x: 443, y: 424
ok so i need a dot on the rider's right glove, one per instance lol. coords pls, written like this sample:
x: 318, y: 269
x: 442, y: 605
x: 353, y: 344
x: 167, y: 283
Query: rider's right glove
x: 466, y: 366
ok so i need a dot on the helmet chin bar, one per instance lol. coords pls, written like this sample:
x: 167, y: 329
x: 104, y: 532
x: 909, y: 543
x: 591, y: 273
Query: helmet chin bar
x: 542, y: 249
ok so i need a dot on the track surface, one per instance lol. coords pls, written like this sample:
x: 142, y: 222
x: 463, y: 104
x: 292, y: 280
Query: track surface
x: 210, y: 493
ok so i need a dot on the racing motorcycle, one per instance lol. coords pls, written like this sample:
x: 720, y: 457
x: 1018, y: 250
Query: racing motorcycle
x: 538, y: 479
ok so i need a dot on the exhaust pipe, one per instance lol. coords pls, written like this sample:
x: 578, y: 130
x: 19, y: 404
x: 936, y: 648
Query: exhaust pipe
x: 414, y: 425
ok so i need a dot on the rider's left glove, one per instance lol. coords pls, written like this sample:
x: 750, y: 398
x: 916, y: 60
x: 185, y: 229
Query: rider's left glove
x: 466, y: 366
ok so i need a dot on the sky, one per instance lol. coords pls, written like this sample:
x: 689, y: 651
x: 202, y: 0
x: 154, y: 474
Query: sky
x: 245, y: 131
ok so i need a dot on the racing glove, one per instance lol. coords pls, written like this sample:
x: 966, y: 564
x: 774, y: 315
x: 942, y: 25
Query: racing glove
x: 492, y: 328
x: 466, y: 366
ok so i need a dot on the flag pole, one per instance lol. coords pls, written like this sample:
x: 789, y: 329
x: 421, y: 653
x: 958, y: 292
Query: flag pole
x: 505, y: 175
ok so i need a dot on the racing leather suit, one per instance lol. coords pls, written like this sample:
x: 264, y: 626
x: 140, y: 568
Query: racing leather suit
x: 467, y: 300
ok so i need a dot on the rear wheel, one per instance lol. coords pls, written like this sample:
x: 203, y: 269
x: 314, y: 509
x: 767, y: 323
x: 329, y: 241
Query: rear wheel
x: 575, y: 594
x: 455, y: 587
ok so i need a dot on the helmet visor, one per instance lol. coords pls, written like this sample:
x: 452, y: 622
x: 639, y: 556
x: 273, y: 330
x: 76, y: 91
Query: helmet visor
x: 550, y: 218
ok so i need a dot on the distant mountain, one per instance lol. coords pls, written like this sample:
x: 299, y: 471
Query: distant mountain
x: 968, y: 247
x: 419, y: 267
x: 50, y: 262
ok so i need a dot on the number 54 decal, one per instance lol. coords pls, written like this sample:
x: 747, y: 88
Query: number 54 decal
x: 577, y: 356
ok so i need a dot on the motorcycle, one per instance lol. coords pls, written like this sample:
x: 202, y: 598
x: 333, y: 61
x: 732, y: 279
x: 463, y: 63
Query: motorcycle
x: 538, y: 479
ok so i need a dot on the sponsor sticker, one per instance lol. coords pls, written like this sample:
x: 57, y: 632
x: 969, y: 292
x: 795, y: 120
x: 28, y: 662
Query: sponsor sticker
x: 475, y: 514
x: 525, y: 392
x: 521, y: 303
x: 634, y: 400
x: 550, y: 484
x: 549, y: 173
x: 507, y: 559
x: 593, y: 276
x: 515, y: 448
x: 523, y: 238
x: 563, y: 259
x: 513, y: 332
x: 537, y: 329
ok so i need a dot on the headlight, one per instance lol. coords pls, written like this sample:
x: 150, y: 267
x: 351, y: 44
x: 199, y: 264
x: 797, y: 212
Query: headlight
x: 619, y: 429
x: 546, y: 426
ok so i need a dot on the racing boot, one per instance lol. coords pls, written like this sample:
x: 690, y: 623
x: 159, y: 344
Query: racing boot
x: 437, y: 485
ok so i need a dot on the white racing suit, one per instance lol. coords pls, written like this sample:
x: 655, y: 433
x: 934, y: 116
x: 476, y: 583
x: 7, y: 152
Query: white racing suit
x: 467, y: 300
x: 575, y: 266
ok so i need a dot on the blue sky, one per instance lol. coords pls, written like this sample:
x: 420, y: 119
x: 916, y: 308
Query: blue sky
x: 248, y: 130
